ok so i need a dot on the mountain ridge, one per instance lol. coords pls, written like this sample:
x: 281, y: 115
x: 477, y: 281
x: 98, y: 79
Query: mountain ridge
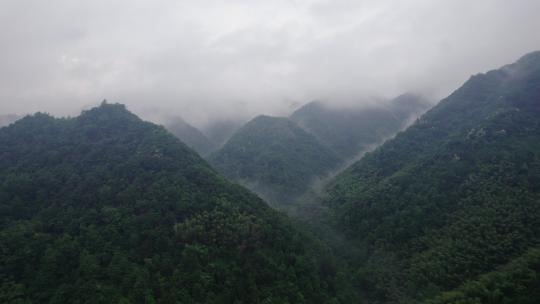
x: 430, y: 203
x: 106, y: 207
x: 274, y: 157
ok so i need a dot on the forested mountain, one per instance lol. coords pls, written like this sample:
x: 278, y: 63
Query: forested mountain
x: 275, y: 158
x: 106, y: 208
x: 8, y: 119
x: 450, y: 208
x: 190, y: 135
x: 351, y: 130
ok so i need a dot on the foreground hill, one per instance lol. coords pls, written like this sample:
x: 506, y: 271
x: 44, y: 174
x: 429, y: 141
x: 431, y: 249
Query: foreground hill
x: 349, y: 131
x: 275, y: 158
x: 190, y: 135
x: 453, y: 199
x: 106, y: 208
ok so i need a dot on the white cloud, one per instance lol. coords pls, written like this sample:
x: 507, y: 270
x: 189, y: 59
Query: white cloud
x: 204, y: 59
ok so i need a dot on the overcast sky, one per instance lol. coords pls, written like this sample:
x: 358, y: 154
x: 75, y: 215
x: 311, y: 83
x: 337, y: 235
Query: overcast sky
x: 204, y: 59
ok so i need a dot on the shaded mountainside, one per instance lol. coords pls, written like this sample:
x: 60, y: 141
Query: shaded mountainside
x: 275, y: 158
x: 190, y: 135
x: 348, y: 131
x: 453, y: 197
x: 515, y: 282
x: 106, y: 208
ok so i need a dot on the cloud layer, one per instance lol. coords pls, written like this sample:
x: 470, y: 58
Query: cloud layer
x: 208, y: 59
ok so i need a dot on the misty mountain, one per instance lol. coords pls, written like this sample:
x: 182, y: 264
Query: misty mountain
x: 106, y: 208
x: 220, y: 131
x: 408, y: 107
x: 275, y: 158
x: 348, y: 131
x: 450, y: 208
x: 190, y: 135
x: 8, y: 119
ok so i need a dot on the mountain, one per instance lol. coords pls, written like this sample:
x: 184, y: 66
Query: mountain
x: 8, y: 119
x: 190, y: 135
x: 351, y: 130
x: 219, y: 132
x: 450, y: 208
x: 106, y: 208
x: 408, y: 107
x: 275, y: 158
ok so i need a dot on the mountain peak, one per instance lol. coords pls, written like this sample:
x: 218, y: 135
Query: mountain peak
x: 108, y: 115
x: 276, y: 156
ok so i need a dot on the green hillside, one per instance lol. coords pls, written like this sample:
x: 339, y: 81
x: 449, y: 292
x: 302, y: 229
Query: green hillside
x: 106, y: 208
x: 454, y: 197
x: 275, y: 158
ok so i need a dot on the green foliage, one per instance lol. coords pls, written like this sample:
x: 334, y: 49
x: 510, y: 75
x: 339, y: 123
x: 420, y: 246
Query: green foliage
x: 517, y: 282
x: 106, y: 208
x: 275, y: 158
x: 451, y: 198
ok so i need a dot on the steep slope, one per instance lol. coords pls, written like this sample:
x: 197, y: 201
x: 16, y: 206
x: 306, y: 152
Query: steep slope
x: 454, y: 196
x: 348, y: 131
x: 106, y: 208
x: 275, y: 158
x: 190, y: 135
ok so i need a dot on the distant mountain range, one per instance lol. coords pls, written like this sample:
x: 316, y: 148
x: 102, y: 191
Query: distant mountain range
x: 281, y: 158
x: 275, y: 158
x: 350, y: 130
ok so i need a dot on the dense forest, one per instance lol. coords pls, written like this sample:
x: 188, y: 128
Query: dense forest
x: 106, y: 208
x: 450, y: 208
x: 275, y: 158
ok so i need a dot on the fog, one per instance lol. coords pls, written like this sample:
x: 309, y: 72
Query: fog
x: 206, y: 60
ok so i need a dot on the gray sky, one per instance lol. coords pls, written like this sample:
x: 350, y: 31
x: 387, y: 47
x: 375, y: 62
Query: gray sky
x: 204, y: 59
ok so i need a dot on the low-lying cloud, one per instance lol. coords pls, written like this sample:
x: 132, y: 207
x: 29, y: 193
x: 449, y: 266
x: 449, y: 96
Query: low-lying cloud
x: 221, y: 59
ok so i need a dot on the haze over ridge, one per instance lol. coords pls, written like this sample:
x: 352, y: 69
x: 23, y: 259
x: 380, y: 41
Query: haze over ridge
x: 208, y: 60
